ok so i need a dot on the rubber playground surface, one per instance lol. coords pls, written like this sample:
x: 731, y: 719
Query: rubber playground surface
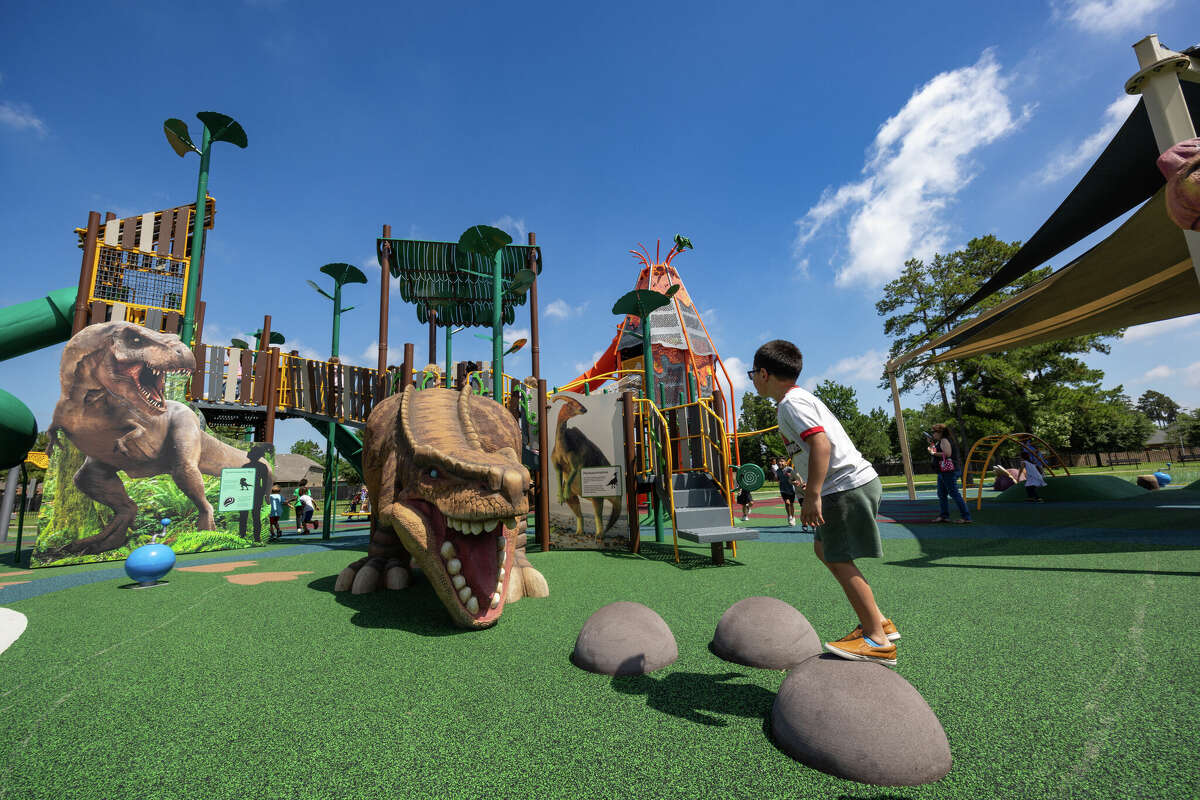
x: 1053, y: 641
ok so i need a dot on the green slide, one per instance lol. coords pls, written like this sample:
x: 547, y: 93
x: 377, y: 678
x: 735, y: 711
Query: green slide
x: 346, y: 441
x: 24, y: 328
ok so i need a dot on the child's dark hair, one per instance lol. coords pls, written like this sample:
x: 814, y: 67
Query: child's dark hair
x: 779, y: 358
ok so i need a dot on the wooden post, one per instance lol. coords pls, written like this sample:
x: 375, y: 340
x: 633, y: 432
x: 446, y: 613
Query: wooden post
x: 198, y: 325
x: 406, y: 376
x: 902, y: 432
x: 264, y: 342
x: 542, y: 519
x: 433, y: 336
x: 86, y: 272
x: 381, y: 388
x: 635, y: 530
x: 535, y: 355
x: 271, y: 393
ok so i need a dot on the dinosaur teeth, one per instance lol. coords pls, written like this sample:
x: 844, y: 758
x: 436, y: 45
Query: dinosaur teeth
x: 447, y: 551
x: 453, y: 566
x: 495, y: 599
x: 459, y: 581
x: 465, y: 594
x: 473, y: 605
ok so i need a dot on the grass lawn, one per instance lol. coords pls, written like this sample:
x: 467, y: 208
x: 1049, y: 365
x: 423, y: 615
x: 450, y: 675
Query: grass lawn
x: 1051, y: 641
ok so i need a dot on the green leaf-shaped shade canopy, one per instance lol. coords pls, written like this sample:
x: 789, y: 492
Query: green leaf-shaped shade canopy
x: 240, y: 343
x: 344, y: 273
x: 223, y: 128
x: 177, y: 136
x: 276, y: 336
x: 522, y: 281
x: 683, y: 243
x: 319, y: 289
x: 641, y: 302
x: 483, y: 239
x: 455, y: 280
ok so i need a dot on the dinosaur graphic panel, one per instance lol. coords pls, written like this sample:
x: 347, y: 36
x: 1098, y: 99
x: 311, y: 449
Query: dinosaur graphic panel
x: 586, y: 432
x: 126, y: 453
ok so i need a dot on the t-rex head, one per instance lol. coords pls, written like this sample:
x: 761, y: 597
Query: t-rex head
x: 458, y: 466
x: 129, y: 361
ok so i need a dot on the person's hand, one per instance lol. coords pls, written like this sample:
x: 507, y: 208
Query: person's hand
x: 810, y: 514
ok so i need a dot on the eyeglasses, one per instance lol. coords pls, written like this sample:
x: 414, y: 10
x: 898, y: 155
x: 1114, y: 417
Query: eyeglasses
x: 750, y: 373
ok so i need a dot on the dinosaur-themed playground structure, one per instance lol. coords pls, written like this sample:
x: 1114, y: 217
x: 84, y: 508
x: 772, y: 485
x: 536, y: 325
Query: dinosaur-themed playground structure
x: 656, y: 440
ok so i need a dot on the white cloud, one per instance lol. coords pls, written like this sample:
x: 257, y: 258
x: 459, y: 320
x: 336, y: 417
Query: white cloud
x: 581, y: 366
x: 1191, y: 374
x: 1110, y: 16
x: 370, y: 354
x: 1083, y: 153
x: 561, y: 309
x: 21, y: 117
x: 865, y: 367
x: 737, y: 376
x: 1141, y: 333
x: 370, y: 265
x: 918, y: 163
x: 1157, y: 373
x: 512, y: 226
x: 512, y: 334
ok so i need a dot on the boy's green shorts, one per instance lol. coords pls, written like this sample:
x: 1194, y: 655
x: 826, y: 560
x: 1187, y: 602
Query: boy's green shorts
x: 850, y: 531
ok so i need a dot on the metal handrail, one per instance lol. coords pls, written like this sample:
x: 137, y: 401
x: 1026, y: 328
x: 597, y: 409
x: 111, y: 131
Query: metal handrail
x: 605, y: 376
x: 665, y: 443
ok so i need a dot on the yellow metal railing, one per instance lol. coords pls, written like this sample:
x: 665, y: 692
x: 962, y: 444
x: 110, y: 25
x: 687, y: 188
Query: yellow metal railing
x: 605, y: 376
x: 643, y: 424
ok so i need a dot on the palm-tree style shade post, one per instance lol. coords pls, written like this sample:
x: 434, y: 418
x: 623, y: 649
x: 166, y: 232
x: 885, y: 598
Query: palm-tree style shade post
x: 490, y: 242
x: 341, y: 274
x: 217, y: 128
x: 641, y: 303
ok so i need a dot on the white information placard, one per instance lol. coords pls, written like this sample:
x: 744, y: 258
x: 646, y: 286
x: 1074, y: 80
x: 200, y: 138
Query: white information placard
x: 601, y: 482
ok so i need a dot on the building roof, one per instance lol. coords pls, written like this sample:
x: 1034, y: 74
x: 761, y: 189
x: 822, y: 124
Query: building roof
x: 292, y: 467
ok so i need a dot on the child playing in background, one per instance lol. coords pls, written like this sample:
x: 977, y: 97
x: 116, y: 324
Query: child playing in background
x: 276, y: 513
x: 1030, y: 461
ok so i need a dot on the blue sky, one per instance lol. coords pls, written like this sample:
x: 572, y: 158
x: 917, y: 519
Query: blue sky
x: 806, y: 149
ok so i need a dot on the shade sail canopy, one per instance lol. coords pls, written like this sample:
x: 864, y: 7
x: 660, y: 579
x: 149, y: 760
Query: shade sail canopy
x: 1141, y: 273
x: 1124, y: 175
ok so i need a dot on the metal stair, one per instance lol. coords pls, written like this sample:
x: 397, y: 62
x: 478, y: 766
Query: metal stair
x: 703, y: 516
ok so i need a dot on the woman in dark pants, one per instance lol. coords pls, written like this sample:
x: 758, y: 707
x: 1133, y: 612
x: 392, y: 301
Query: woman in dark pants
x: 944, y: 447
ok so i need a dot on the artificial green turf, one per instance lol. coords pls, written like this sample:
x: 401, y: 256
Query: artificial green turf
x: 1058, y: 669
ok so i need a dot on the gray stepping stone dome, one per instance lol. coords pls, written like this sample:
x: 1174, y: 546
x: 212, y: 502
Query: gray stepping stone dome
x: 825, y: 717
x: 765, y: 632
x: 624, y: 639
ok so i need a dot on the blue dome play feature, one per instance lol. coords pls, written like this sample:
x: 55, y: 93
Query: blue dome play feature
x: 1163, y: 478
x: 147, y: 564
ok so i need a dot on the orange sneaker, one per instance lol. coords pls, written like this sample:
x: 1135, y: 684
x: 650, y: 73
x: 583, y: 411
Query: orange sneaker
x: 889, y: 628
x: 861, y: 650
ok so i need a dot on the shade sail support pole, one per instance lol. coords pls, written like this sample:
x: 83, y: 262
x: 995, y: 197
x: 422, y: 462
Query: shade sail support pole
x: 1167, y: 109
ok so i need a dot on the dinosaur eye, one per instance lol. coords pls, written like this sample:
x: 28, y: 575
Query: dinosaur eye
x: 433, y: 473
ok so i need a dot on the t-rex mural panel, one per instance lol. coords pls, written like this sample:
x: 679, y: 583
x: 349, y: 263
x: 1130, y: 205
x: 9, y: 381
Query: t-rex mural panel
x: 449, y: 493
x: 112, y: 408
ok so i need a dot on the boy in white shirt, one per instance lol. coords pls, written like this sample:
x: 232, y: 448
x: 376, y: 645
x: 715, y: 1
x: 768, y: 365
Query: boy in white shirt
x: 841, y: 495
